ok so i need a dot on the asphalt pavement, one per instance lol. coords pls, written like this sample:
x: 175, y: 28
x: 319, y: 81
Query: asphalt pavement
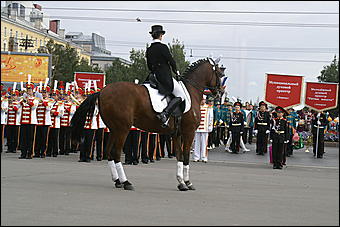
x: 232, y: 189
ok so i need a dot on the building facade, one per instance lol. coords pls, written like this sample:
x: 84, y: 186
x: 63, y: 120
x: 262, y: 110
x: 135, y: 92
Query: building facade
x: 21, y: 20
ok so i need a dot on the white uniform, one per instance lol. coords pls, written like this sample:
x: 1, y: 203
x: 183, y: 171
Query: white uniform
x: 201, y: 135
x: 4, y: 110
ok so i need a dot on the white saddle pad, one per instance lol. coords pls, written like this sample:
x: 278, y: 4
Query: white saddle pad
x: 159, y: 104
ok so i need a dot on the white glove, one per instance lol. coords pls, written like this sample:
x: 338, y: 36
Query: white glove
x: 271, y: 141
x: 286, y: 141
x: 256, y: 131
x: 267, y: 131
x: 241, y: 133
x: 221, y: 121
x: 178, y: 74
x: 319, y: 123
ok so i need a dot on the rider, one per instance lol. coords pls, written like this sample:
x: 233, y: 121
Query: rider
x: 159, y: 60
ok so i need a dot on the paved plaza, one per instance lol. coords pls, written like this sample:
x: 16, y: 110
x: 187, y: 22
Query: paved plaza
x: 232, y: 189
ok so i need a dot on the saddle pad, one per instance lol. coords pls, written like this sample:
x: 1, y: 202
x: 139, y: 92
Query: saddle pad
x: 159, y: 102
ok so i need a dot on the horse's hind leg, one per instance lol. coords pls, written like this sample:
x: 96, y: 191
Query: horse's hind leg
x: 111, y: 163
x: 119, y: 140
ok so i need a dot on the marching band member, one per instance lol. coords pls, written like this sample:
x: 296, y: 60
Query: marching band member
x: 13, y: 121
x: 262, y: 128
x: 28, y: 122
x: 4, y: 110
x: 89, y: 131
x: 279, y: 136
x: 44, y: 122
x: 56, y: 113
x: 202, y: 132
x: 65, y: 129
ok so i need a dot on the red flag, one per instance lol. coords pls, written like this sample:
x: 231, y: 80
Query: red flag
x: 283, y: 90
x: 321, y: 96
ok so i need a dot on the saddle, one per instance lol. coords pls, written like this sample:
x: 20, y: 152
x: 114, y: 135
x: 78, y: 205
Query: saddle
x: 159, y: 101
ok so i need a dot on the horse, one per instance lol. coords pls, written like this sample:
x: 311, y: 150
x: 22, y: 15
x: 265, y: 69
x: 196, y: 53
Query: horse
x: 123, y: 104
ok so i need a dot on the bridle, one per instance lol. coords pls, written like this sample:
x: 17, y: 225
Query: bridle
x: 218, y: 76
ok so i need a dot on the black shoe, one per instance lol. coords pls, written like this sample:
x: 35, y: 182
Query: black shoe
x: 66, y: 153
x: 88, y: 160
x: 152, y: 161
x: 145, y: 161
x: 163, y: 118
x: 170, y: 156
x: 36, y: 156
x: 48, y: 155
x: 135, y: 163
x: 99, y: 159
x: 55, y: 155
x: 22, y: 157
x: 9, y: 152
x: 118, y: 184
x: 127, y: 163
x: 42, y: 156
x: 81, y: 160
x: 158, y: 159
x: 28, y: 157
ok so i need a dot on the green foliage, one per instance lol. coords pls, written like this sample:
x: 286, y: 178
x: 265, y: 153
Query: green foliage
x: 116, y: 72
x: 178, y: 53
x: 330, y: 73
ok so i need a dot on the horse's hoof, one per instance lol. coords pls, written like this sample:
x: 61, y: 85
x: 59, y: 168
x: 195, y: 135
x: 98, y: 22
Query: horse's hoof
x: 189, y: 185
x: 128, y: 186
x: 118, y: 184
x: 182, y: 187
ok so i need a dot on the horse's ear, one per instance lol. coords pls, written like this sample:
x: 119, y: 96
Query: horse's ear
x: 218, y: 59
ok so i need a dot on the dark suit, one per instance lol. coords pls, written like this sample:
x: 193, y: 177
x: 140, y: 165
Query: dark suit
x: 236, y: 126
x: 159, y: 60
x: 262, y: 124
x: 279, y: 134
x: 320, y: 146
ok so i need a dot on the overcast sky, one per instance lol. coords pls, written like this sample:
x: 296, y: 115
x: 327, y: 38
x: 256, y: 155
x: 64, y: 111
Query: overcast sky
x: 246, y: 77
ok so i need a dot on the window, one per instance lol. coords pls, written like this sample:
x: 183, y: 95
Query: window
x: 16, y: 34
x: 4, y: 46
x: 40, y: 43
x: 22, y: 35
x: 5, y: 31
x: 22, y: 11
x: 10, y: 33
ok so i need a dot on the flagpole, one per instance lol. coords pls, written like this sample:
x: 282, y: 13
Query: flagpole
x: 317, y: 136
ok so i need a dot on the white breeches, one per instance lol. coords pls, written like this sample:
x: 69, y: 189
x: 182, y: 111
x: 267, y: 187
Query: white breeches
x: 200, y: 149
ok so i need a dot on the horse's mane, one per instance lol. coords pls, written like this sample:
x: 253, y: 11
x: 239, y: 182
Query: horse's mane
x: 194, y: 66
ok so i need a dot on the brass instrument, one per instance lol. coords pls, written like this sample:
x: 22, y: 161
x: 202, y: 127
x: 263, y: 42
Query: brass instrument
x: 74, y: 99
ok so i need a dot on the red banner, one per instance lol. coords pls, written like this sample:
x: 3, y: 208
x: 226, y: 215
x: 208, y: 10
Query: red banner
x: 283, y: 90
x: 83, y: 77
x: 321, y: 96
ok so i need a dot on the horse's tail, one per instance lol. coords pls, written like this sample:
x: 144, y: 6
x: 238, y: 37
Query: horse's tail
x: 85, y: 109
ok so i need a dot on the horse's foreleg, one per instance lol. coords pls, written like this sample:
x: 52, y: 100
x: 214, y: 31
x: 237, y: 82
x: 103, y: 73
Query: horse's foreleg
x: 188, y: 139
x: 119, y: 140
x: 180, y: 158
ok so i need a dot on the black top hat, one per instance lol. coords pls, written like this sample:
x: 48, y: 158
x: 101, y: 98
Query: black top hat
x: 238, y: 104
x: 157, y: 28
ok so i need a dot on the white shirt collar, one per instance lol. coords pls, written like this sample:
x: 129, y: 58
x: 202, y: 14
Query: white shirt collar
x: 156, y: 41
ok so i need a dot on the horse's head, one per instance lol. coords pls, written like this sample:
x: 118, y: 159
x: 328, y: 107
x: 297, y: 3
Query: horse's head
x: 214, y: 84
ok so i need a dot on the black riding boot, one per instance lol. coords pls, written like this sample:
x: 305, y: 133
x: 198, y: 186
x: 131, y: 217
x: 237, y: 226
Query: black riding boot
x: 164, y: 116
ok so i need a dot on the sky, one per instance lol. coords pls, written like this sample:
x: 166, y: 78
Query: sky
x: 232, y: 42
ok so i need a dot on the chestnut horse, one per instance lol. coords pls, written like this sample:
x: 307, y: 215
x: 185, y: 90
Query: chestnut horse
x: 123, y: 104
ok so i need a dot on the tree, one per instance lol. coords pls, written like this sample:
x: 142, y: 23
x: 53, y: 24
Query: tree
x: 138, y: 69
x: 330, y: 73
x: 116, y: 72
x: 84, y: 66
x: 178, y: 53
